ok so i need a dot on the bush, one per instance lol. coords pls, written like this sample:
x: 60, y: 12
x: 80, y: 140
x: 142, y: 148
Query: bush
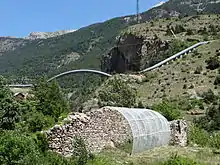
x: 116, y: 92
x: 198, y: 70
x: 80, y: 152
x: 17, y: 148
x: 36, y: 121
x: 140, y: 104
x: 179, y: 160
x: 212, y: 63
x: 214, y: 141
x: 189, y: 32
x: 217, y: 80
x: 209, y: 97
x: 41, y: 141
x: 168, y: 110
x: 203, y: 138
x: 198, y: 136
x: 211, y: 121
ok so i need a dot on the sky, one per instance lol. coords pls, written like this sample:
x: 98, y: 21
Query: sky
x: 20, y: 17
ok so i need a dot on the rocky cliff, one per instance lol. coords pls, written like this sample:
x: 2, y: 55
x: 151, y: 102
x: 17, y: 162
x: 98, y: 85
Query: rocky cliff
x: 133, y: 53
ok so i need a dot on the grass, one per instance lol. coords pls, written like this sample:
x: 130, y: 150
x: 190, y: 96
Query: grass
x: 161, y: 154
x: 172, y: 74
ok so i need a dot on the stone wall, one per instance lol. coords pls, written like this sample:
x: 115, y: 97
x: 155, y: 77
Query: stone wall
x: 179, y: 132
x: 100, y: 128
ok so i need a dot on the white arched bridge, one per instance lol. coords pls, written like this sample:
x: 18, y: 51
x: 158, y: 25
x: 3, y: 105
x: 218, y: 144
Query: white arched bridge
x: 178, y: 55
x: 66, y: 73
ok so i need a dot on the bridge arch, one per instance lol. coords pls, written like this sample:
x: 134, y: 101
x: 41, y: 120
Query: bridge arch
x: 79, y: 71
x: 63, y: 74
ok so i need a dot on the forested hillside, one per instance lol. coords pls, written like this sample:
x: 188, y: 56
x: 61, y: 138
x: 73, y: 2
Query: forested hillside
x: 84, y: 48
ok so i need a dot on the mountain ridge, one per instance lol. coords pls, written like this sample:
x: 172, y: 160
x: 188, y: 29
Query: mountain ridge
x: 43, y: 56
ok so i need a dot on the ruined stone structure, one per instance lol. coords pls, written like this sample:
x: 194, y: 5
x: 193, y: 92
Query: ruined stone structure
x: 178, y: 132
x: 100, y: 128
x: 109, y: 127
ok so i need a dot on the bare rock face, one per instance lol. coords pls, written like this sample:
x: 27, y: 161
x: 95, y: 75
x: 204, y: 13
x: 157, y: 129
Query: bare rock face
x: 132, y: 53
x: 45, y: 35
x: 10, y: 44
x: 178, y: 132
x: 100, y: 128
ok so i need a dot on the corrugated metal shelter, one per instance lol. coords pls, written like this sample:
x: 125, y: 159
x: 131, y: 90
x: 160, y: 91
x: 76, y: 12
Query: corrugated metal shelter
x: 149, y: 128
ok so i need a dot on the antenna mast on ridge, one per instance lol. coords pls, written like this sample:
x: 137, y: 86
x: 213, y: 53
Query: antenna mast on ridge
x: 138, y: 20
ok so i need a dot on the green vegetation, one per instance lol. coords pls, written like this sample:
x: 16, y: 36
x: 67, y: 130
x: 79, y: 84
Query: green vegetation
x: 22, y: 122
x: 9, y: 108
x: 213, y: 63
x: 168, y: 110
x: 117, y: 92
x: 49, y: 99
x: 178, y: 160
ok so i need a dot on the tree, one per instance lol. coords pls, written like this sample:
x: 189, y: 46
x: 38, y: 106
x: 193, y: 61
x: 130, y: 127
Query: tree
x: 10, y: 110
x: 169, y: 110
x: 117, y: 92
x: 50, y: 99
x: 17, y: 148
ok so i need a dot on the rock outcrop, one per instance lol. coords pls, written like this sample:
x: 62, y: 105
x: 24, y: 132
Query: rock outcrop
x: 45, y: 35
x: 10, y: 44
x: 133, y: 53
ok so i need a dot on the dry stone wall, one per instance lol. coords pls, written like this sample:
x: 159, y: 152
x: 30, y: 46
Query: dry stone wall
x: 179, y: 132
x: 100, y: 128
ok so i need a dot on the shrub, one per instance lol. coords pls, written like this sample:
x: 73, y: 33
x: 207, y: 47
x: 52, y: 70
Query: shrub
x: 198, y: 69
x: 36, y: 121
x: 217, y: 80
x: 41, y: 141
x: 214, y: 141
x: 80, y: 152
x: 140, y: 104
x: 213, y: 29
x: 179, y: 160
x: 184, y: 86
x: 189, y: 32
x: 212, y: 63
x: 203, y: 138
x: 211, y: 121
x: 168, y: 110
x: 116, y: 92
x: 209, y: 97
x: 191, y: 86
x: 198, y: 136
x: 17, y: 148
x: 179, y: 29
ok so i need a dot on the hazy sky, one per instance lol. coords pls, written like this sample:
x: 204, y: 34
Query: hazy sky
x: 20, y: 17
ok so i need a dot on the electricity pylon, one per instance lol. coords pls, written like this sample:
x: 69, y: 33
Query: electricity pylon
x: 138, y: 20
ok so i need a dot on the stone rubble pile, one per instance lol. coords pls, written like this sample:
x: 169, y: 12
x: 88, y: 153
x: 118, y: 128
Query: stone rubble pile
x: 100, y: 128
